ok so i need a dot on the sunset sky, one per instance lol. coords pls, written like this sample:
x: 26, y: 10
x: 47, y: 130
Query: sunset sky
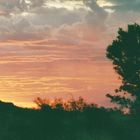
x: 56, y: 48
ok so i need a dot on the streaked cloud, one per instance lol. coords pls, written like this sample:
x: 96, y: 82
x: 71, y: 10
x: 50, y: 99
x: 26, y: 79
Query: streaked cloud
x: 56, y: 48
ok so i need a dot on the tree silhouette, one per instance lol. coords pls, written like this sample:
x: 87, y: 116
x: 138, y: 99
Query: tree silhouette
x: 125, y: 55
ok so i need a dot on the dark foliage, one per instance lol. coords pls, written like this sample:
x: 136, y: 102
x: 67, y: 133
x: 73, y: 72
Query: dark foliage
x: 56, y: 123
x: 125, y: 55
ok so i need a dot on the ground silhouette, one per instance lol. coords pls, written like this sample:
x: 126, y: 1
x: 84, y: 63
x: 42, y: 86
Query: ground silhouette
x: 59, y: 123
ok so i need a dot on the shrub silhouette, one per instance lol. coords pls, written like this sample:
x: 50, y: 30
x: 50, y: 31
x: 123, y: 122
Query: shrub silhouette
x: 55, y: 123
x: 79, y: 120
x: 59, y: 104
